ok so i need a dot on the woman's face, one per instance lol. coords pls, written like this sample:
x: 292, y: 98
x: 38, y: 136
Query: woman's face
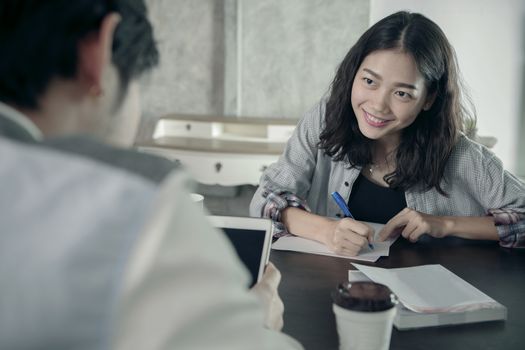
x: 387, y: 95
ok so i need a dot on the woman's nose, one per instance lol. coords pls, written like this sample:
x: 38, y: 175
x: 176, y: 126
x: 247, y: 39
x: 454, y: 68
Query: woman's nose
x: 380, y: 102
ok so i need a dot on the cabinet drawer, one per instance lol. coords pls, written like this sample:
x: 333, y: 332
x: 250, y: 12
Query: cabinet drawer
x: 187, y: 128
x: 225, y: 169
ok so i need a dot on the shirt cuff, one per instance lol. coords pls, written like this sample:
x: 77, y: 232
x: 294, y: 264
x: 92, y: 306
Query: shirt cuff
x: 510, y: 224
x: 276, y: 202
x: 507, y: 216
x: 512, y: 236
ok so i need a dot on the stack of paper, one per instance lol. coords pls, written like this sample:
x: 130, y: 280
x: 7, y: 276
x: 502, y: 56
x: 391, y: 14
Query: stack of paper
x: 299, y: 244
x: 431, y: 295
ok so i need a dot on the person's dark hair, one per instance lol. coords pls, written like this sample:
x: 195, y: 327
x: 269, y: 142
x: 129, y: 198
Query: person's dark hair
x: 427, y: 143
x: 39, y: 40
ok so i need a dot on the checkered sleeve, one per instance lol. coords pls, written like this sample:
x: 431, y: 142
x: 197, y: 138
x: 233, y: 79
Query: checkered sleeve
x: 276, y: 202
x: 510, y: 224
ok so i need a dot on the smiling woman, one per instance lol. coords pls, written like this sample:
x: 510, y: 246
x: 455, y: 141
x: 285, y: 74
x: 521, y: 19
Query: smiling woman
x: 390, y: 138
x: 388, y: 94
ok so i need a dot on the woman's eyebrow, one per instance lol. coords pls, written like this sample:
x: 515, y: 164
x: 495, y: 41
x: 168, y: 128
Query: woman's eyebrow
x: 399, y: 84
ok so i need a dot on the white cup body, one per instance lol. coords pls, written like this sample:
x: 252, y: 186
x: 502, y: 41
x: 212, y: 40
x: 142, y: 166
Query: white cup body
x: 359, y: 330
x: 198, y: 198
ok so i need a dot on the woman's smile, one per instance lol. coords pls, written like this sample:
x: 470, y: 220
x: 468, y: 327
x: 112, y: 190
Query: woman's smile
x: 374, y: 121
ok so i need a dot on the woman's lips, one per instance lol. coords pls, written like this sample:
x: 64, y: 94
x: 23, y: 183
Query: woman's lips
x: 375, y: 121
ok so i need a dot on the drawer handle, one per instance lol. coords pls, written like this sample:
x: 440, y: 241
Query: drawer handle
x: 188, y: 127
x: 218, y: 167
x: 263, y: 168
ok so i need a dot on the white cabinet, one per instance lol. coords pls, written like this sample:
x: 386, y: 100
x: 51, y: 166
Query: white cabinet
x: 226, y: 151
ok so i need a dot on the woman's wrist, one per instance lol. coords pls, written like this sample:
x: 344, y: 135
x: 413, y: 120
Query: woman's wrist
x: 470, y: 227
x: 327, y: 230
x: 449, y: 225
x: 301, y: 223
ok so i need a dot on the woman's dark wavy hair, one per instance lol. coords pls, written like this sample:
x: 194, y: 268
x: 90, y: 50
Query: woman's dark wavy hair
x: 427, y: 143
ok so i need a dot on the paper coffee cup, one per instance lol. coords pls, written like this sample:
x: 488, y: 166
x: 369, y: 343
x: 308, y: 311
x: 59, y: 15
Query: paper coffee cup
x: 364, y: 314
x: 198, y: 198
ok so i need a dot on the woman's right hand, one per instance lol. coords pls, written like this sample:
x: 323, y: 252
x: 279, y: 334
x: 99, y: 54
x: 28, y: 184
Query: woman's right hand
x: 347, y: 236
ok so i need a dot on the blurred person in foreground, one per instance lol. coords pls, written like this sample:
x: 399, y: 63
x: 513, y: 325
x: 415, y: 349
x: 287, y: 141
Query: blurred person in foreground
x: 93, y: 256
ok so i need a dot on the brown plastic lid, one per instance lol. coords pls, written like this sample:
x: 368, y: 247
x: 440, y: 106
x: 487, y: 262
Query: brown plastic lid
x: 364, y: 296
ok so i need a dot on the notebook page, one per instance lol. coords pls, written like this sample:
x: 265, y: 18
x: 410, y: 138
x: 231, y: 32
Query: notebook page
x: 428, y: 288
x: 299, y: 244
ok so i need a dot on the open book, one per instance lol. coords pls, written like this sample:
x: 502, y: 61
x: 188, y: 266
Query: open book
x: 431, y: 295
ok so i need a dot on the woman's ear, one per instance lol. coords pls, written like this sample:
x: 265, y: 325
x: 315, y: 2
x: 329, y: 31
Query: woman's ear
x: 430, y: 101
x: 94, y: 54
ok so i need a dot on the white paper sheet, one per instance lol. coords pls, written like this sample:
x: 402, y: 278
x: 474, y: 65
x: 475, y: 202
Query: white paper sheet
x: 409, y: 319
x: 428, y: 288
x: 299, y: 244
x: 357, y: 276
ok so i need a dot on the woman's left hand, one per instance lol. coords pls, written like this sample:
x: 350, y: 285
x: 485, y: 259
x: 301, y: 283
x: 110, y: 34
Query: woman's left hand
x: 411, y: 224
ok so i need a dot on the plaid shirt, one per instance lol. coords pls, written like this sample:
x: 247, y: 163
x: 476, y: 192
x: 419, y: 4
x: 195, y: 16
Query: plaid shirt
x: 277, y: 202
x: 511, y: 227
x: 475, y: 181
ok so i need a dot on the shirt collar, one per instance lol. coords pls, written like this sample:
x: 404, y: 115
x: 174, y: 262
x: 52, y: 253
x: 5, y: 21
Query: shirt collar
x: 22, y: 120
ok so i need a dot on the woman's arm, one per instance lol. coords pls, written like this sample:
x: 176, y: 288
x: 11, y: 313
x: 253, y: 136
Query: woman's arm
x: 495, y: 189
x: 471, y: 227
x: 411, y: 224
x: 503, y: 196
x: 346, y: 236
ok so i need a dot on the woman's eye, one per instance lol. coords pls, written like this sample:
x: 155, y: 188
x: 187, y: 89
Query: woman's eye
x: 403, y: 94
x: 368, y: 81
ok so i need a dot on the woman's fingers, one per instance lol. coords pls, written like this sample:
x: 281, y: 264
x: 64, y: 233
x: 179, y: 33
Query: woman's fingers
x: 351, y: 236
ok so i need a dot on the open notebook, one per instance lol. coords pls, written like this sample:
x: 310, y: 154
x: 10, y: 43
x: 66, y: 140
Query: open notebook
x: 431, y: 295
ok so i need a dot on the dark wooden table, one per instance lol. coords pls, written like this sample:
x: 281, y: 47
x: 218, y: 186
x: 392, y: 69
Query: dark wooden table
x: 307, y: 281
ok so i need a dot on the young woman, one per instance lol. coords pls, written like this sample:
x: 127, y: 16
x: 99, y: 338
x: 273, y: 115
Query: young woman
x: 390, y: 139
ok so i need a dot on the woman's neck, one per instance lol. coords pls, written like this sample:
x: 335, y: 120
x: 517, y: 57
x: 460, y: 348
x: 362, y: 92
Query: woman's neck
x: 383, y: 162
x: 384, y: 151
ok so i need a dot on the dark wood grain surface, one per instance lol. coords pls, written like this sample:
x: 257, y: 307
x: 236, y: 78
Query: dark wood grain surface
x: 307, y: 281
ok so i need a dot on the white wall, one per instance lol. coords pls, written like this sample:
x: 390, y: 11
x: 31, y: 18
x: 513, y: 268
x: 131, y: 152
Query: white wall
x: 488, y: 36
x: 271, y: 58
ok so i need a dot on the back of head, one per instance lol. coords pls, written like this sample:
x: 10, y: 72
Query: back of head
x: 39, y: 42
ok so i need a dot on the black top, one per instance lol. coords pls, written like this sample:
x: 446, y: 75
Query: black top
x: 374, y: 203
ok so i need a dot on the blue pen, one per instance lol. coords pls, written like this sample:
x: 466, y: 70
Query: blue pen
x: 342, y: 204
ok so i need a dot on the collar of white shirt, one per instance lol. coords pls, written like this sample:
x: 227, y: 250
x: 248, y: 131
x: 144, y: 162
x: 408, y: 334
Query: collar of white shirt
x: 20, y: 119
